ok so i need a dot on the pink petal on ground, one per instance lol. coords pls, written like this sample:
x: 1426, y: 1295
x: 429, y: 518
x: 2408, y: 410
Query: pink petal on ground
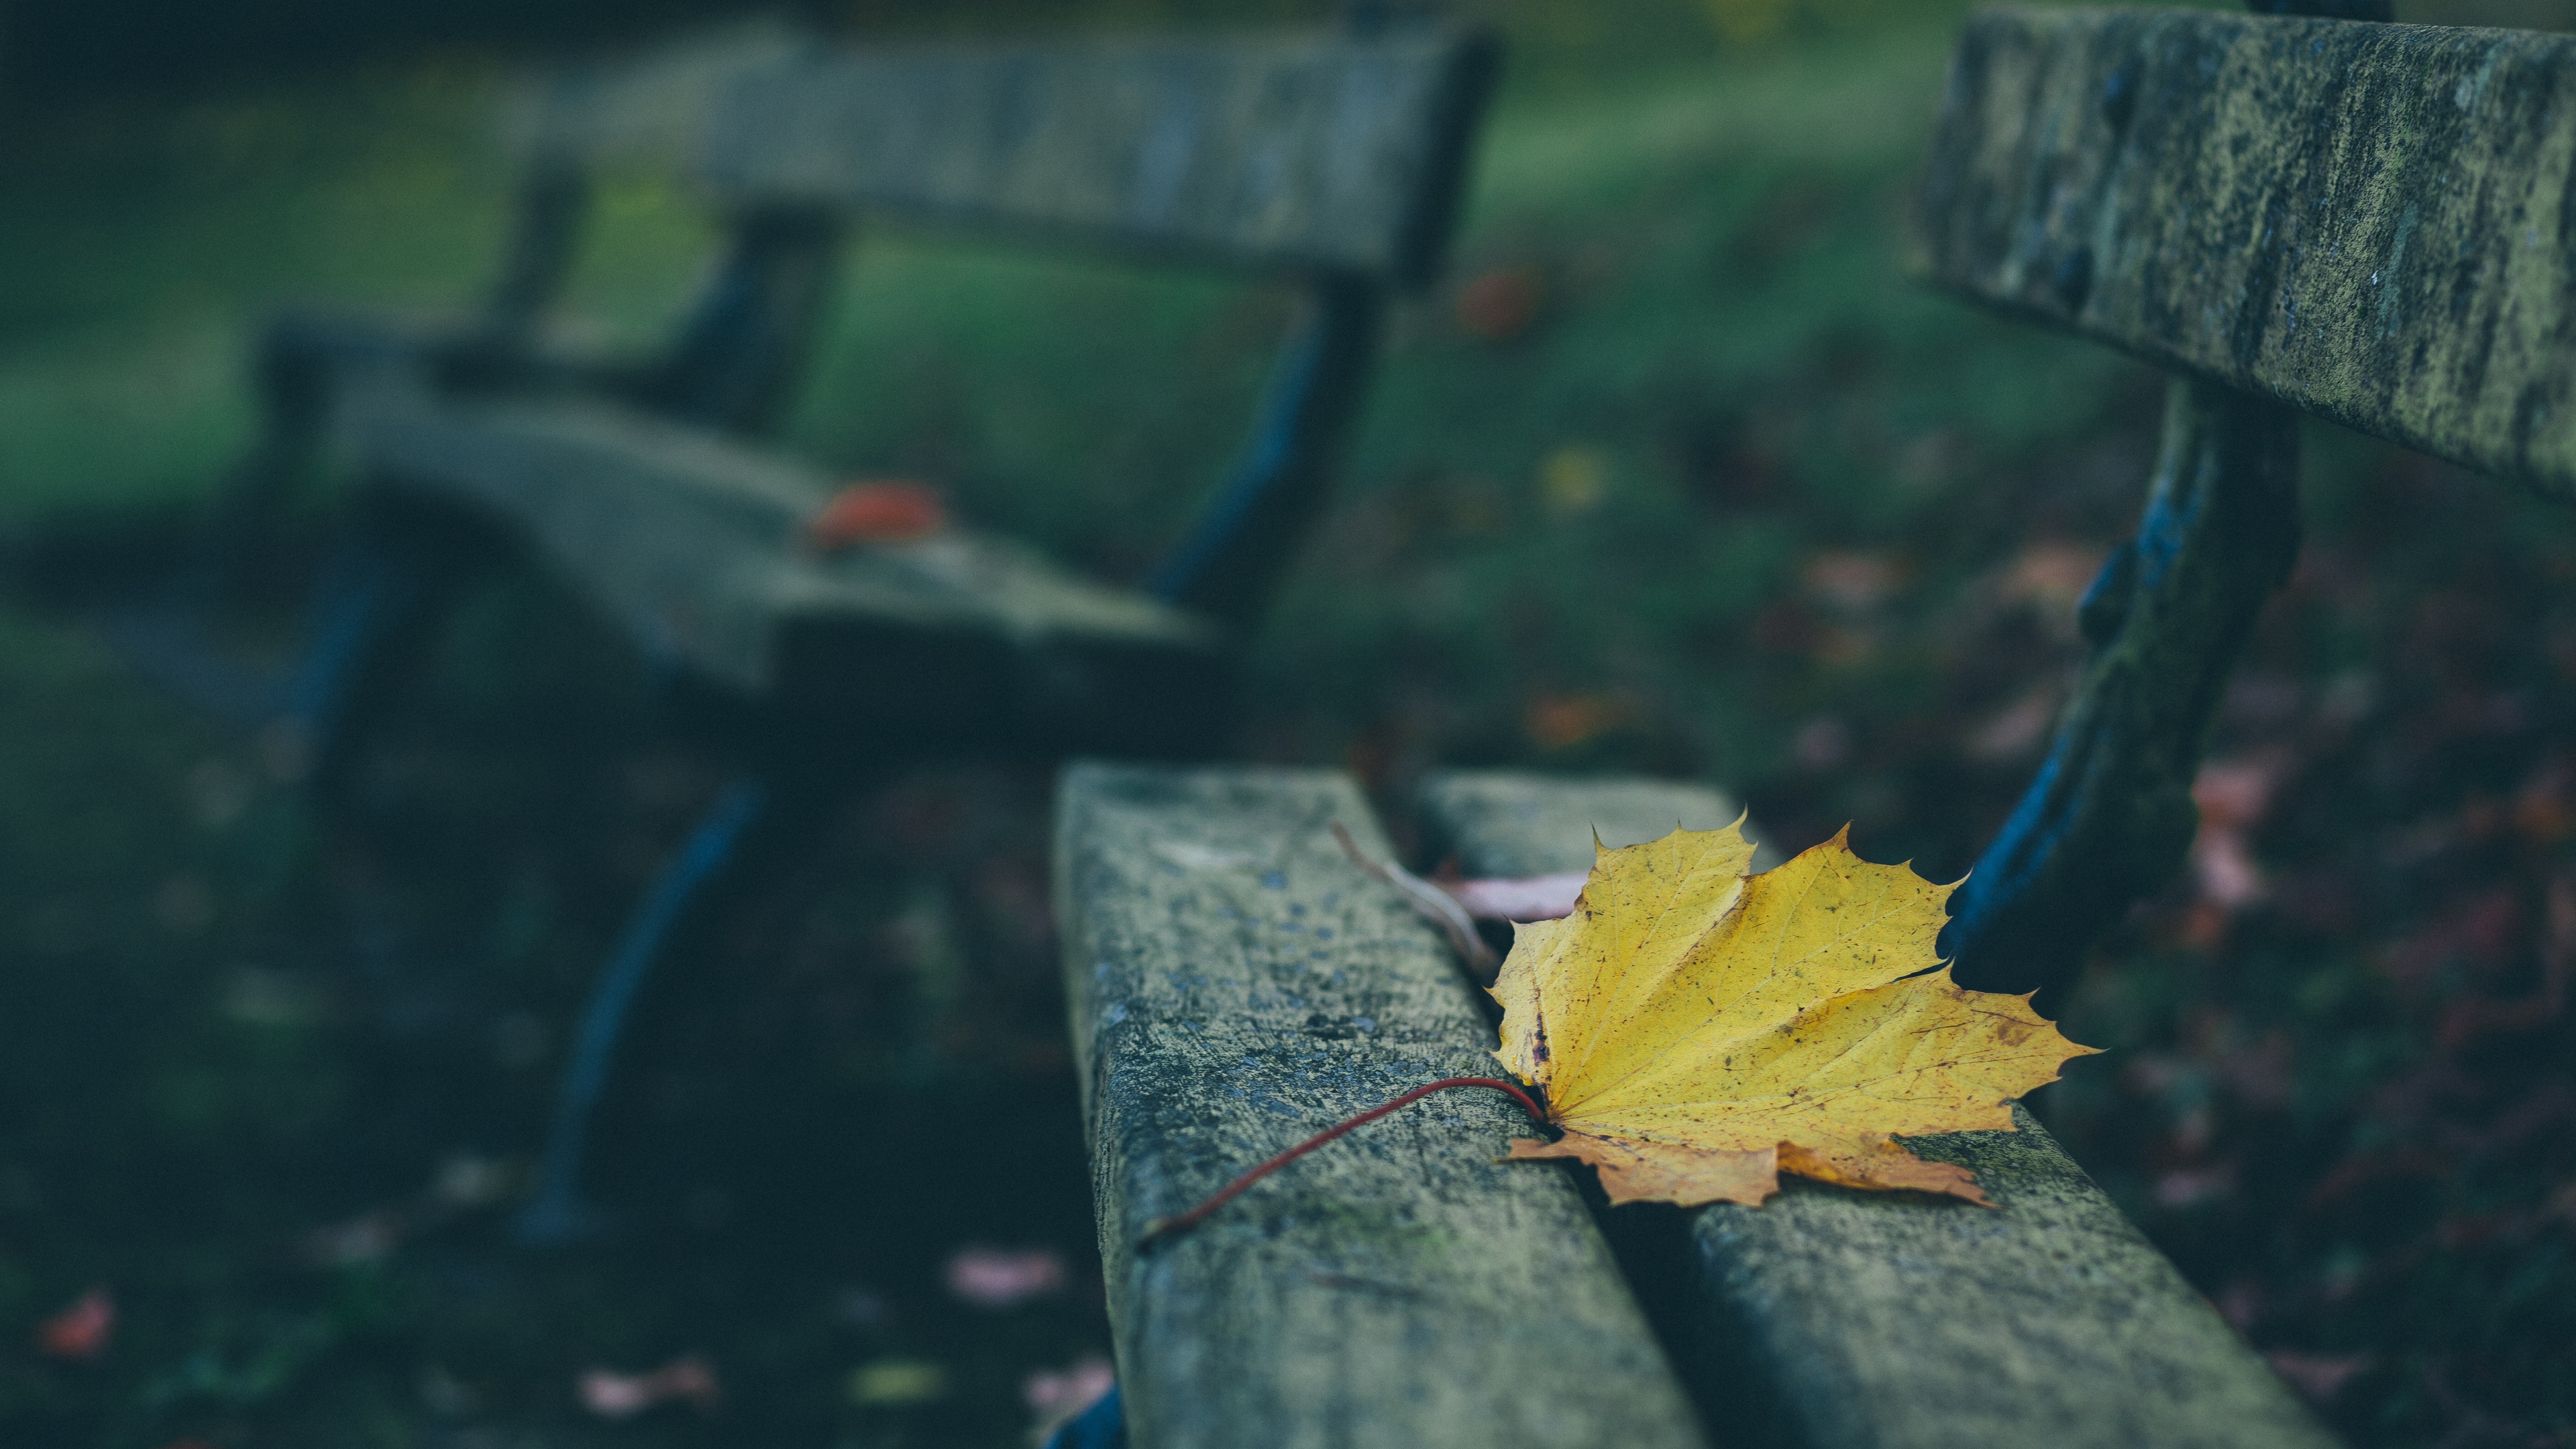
x: 2318, y: 1377
x: 613, y: 1395
x: 1056, y: 1396
x: 998, y: 1278
x: 2225, y: 868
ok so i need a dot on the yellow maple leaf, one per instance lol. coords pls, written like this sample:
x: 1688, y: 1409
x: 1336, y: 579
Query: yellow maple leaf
x: 1696, y: 1031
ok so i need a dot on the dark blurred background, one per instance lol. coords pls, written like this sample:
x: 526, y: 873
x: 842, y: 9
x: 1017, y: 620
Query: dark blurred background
x: 1676, y: 472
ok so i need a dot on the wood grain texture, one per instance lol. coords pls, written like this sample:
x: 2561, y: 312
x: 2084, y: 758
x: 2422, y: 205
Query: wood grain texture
x: 1838, y: 1318
x: 693, y: 545
x: 1335, y: 152
x: 644, y: 109
x: 2371, y: 222
x: 1235, y: 985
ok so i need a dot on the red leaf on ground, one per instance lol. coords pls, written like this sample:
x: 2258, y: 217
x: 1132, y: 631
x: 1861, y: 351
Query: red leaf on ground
x: 1500, y: 304
x: 81, y: 1331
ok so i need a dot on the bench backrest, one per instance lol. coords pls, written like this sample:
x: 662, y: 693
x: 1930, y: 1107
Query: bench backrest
x: 1336, y: 152
x: 2366, y: 221
x: 1338, y: 159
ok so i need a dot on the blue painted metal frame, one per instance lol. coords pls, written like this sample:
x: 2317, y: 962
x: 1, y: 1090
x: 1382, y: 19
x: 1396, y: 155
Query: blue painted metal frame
x: 1229, y: 562
x: 556, y: 1212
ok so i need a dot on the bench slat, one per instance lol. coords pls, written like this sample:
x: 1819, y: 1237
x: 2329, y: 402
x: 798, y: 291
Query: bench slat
x: 1842, y: 1318
x: 1236, y: 984
x: 692, y: 543
x: 647, y: 110
x: 1331, y: 153
x: 2367, y: 221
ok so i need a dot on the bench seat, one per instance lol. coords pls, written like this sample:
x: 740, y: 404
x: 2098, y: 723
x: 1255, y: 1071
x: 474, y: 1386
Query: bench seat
x: 1236, y: 984
x: 696, y: 545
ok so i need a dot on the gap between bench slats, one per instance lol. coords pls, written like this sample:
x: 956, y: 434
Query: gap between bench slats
x: 1235, y: 984
x: 1836, y: 1319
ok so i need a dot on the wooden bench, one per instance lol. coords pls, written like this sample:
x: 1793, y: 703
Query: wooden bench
x: 1237, y: 983
x: 2331, y: 215
x: 1332, y: 163
x: 732, y: 360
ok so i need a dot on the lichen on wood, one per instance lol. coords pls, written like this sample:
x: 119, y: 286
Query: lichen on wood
x: 1235, y: 983
x: 2370, y: 222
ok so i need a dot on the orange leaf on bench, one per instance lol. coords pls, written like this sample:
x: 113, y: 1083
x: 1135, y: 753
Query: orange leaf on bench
x: 877, y: 510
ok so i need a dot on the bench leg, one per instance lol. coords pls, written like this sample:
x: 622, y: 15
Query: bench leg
x: 381, y: 591
x: 2110, y: 816
x: 754, y: 824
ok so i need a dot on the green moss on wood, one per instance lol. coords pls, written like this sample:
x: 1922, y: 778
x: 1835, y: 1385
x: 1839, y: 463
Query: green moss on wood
x: 2370, y: 222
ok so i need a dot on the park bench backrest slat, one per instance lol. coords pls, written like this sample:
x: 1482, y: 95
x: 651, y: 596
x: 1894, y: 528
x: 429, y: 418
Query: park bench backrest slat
x: 1335, y: 154
x: 2369, y: 222
x: 639, y: 111
x: 1834, y: 1319
x: 1235, y: 983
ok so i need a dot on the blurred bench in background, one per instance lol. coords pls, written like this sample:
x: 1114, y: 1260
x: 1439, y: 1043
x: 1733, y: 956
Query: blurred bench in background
x: 1332, y: 162
x: 730, y: 364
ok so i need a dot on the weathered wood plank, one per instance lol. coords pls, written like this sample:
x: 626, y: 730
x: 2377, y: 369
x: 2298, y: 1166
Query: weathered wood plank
x: 2372, y: 222
x: 693, y: 544
x: 1341, y: 153
x: 1236, y: 984
x: 639, y: 109
x: 1848, y: 1319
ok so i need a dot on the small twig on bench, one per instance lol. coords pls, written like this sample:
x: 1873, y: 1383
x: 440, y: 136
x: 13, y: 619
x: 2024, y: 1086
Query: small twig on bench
x: 1161, y: 1228
x: 1434, y: 905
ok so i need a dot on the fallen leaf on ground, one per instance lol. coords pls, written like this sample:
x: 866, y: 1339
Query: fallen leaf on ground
x: 687, y: 1379
x: 995, y: 1278
x: 877, y: 510
x: 2319, y: 1377
x: 892, y: 1382
x: 367, y: 1238
x: 1500, y: 304
x: 1562, y: 721
x: 1058, y: 1396
x: 1698, y: 1030
x: 82, y: 1330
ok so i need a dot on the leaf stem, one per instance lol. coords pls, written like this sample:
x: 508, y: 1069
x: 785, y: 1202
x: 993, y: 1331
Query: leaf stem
x: 1182, y: 1222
